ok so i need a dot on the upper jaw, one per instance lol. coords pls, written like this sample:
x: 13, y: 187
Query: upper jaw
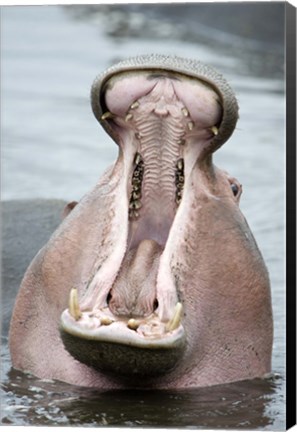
x: 171, y: 65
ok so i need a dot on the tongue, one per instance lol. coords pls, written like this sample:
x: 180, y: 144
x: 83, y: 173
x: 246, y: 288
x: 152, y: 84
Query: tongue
x: 134, y: 290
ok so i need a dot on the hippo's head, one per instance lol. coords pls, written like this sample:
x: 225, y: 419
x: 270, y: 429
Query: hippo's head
x: 154, y: 278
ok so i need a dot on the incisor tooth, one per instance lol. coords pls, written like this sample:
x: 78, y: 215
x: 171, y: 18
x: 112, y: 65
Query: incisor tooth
x: 133, y: 324
x: 191, y: 125
x: 176, y: 319
x: 74, y: 309
x: 134, y: 105
x: 106, y: 320
x: 185, y: 111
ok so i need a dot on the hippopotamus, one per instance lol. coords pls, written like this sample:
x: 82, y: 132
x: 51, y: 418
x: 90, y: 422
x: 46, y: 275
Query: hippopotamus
x: 153, y: 279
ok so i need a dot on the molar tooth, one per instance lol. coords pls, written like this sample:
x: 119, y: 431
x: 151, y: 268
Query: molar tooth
x: 185, y: 111
x: 128, y: 117
x: 133, y: 324
x: 181, y: 142
x: 180, y: 164
x: 178, y: 197
x: 136, y: 195
x: 107, y: 115
x: 105, y: 320
x: 134, y: 105
x: 135, y: 205
x: 137, y: 158
x: 191, y: 125
x: 176, y: 319
x: 136, y: 182
x: 74, y: 308
x: 214, y: 130
x: 135, y: 187
x: 133, y: 214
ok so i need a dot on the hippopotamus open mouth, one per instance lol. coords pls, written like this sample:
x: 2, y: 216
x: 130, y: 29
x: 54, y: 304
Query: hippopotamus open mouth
x: 161, y: 259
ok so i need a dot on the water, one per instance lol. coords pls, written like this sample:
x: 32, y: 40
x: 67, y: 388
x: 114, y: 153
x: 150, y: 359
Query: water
x: 52, y: 147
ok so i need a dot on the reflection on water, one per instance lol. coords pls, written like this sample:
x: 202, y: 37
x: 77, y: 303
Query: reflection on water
x: 244, y: 405
x: 53, y: 147
x: 225, y: 28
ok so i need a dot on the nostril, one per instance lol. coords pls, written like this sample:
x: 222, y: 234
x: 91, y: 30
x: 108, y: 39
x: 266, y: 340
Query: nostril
x: 155, y: 304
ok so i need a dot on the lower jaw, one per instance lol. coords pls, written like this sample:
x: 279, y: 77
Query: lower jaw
x: 125, y: 362
x: 123, y: 347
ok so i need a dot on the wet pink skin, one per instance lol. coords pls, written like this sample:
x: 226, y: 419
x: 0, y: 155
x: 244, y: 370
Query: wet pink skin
x: 203, y: 253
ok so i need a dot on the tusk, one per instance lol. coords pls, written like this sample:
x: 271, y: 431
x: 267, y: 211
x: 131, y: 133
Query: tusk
x: 176, y: 319
x: 107, y: 115
x: 214, y: 130
x: 74, y: 308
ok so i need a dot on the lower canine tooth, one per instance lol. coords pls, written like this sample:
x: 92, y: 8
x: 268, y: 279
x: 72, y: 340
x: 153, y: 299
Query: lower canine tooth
x: 74, y: 309
x: 176, y: 319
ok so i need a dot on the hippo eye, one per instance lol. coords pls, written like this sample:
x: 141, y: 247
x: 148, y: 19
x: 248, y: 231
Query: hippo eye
x: 234, y: 188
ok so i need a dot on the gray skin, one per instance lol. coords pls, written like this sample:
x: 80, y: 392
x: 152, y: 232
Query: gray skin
x: 153, y: 279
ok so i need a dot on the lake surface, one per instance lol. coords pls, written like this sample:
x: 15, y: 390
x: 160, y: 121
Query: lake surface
x: 52, y: 147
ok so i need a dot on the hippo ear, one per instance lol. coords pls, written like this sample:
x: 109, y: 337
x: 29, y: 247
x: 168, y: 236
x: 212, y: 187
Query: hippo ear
x: 68, y: 208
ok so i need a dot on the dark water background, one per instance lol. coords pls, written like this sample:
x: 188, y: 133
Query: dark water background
x: 52, y: 147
